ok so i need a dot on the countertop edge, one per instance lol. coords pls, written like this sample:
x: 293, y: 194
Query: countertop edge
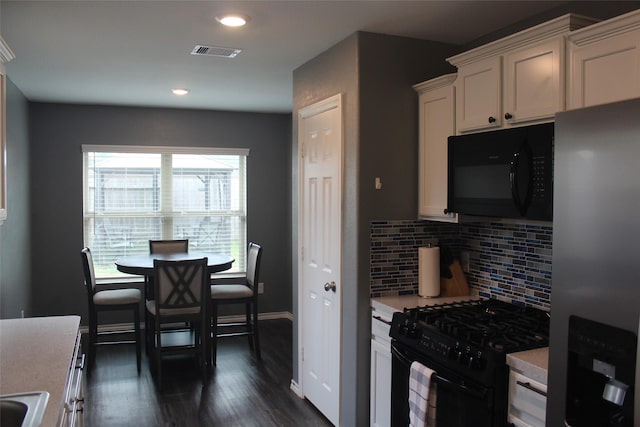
x: 531, y: 363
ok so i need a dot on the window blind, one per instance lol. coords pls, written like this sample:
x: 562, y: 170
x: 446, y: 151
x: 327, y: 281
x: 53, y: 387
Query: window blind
x: 133, y: 194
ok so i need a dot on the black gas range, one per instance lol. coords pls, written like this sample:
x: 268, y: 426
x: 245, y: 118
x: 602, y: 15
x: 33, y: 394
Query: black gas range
x: 466, y: 344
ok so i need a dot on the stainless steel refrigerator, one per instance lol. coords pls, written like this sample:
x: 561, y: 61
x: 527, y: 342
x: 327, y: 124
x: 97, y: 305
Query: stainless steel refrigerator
x: 595, y: 299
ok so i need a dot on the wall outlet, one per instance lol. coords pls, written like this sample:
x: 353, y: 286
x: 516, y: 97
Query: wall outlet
x: 260, y: 287
x: 464, y: 261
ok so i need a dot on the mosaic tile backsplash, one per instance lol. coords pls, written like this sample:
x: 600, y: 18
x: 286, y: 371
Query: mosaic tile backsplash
x: 511, y: 262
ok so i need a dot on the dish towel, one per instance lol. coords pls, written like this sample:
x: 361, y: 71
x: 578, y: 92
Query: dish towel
x: 419, y: 391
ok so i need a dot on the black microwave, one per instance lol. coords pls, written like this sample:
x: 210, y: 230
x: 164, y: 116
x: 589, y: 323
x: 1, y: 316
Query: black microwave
x: 504, y: 173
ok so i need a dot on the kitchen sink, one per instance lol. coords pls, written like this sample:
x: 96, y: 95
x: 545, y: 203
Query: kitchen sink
x: 23, y: 409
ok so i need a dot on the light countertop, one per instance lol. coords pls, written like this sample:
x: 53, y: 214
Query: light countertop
x: 35, y: 355
x: 389, y: 305
x: 531, y: 363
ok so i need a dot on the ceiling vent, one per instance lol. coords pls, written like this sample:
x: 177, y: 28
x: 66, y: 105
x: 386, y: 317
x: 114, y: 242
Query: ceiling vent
x: 224, y: 52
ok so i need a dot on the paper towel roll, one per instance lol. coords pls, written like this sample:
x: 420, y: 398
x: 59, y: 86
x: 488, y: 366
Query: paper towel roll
x: 429, y: 271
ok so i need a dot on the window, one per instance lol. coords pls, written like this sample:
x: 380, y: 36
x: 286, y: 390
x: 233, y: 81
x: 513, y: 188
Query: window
x: 134, y: 194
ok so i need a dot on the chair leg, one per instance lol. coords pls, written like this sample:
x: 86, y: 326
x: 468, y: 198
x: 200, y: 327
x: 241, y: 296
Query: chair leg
x: 93, y: 340
x: 136, y: 329
x: 247, y: 312
x: 205, y: 339
x: 256, y: 336
x: 158, y: 352
x: 214, y: 332
x: 147, y: 332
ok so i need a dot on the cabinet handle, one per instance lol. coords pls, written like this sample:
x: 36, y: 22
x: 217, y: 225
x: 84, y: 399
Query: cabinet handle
x: 382, y: 320
x: 492, y: 119
x: 508, y: 116
x: 532, y: 388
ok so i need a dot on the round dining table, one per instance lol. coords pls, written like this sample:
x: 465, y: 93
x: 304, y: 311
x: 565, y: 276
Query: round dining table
x: 142, y: 264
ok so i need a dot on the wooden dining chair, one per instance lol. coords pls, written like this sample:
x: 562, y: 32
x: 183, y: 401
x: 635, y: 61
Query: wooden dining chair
x: 108, y: 300
x: 160, y: 247
x: 245, y: 292
x: 168, y: 246
x: 182, y: 294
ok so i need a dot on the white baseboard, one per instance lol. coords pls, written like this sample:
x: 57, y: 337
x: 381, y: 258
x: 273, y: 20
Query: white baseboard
x: 118, y: 327
x: 296, y: 389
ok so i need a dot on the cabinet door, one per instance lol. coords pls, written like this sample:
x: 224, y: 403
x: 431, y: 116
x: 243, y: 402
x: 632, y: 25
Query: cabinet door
x: 605, y: 71
x: 534, y: 82
x: 380, y: 385
x: 479, y: 95
x: 437, y: 123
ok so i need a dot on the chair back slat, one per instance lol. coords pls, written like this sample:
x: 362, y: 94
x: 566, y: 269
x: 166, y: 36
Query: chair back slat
x: 254, y: 254
x: 168, y: 246
x: 180, y: 284
x: 89, y: 272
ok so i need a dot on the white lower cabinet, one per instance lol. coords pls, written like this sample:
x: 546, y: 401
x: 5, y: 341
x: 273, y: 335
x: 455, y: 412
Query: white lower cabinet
x: 380, y: 401
x: 527, y: 401
x: 380, y: 385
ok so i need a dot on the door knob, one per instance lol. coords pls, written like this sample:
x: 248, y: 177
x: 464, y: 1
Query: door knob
x: 508, y: 116
x: 330, y: 286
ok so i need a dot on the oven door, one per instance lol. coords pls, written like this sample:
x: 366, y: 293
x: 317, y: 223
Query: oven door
x: 459, y: 402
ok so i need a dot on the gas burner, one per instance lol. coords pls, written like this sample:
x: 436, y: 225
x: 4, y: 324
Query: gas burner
x: 494, y: 324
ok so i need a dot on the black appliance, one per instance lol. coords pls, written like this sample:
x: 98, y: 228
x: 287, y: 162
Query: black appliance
x: 465, y: 343
x: 600, y: 375
x: 505, y: 173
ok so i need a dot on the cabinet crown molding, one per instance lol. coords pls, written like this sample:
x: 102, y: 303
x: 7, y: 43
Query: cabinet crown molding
x: 562, y: 25
x: 435, y: 83
x: 6, y: 54
x: 603, y: 30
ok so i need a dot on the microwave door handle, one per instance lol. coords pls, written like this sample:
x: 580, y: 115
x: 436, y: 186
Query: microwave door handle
x: 515, y: 178
x: 513, y: 182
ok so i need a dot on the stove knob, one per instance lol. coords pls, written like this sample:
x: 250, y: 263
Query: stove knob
x: 405, y: 327
x: 471, y: 361
x: 413, y: 331
x: 475, y: 363
x: 465, y: 359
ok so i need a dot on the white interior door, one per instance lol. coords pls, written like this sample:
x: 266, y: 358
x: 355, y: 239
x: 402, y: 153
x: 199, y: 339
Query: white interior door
x: 320, y: 134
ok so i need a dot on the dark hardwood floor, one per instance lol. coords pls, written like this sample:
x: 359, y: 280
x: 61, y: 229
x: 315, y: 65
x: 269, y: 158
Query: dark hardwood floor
x: 240, y: 392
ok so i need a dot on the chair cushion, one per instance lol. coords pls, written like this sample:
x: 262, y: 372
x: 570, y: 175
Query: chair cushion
x: 230, y: 291
x: 151, y: 307
x: 117, y: 296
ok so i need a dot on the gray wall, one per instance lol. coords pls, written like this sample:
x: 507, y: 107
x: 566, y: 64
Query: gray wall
x: 374, y: 73
x: 57, y: 132
x: 330, y: 73
x: 15, y: 250
x: 593, y: 9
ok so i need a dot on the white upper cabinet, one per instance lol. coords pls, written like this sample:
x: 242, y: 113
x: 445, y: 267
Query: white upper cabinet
x: 479, y: 95
x: 534, y: 82
x: 437, y: 124
x: 519, y: 79
x: 605, y: 62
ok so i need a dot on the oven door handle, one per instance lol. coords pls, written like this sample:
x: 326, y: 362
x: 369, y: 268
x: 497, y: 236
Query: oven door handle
x: 401, y: 357
x: 477, y: 393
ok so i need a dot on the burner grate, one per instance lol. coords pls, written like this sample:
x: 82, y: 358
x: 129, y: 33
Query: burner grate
x: 494, y: 324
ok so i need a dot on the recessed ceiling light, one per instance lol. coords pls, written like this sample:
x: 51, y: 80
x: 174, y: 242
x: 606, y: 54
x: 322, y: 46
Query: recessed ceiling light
x: 232, y: 20
x: 180, y: 91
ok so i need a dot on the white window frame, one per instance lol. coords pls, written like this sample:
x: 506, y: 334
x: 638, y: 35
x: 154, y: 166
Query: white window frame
x: 166, y: 211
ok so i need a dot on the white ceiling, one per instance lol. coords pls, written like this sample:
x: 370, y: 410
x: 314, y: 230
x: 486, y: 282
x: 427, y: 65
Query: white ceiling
x: 134, y: 52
